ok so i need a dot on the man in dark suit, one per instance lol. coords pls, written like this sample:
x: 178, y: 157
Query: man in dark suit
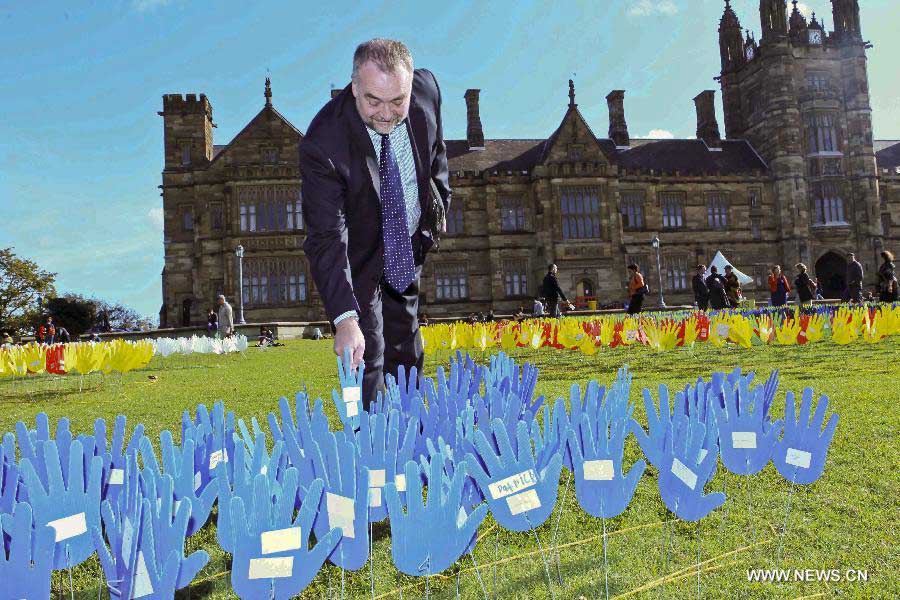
x: 373, y: 161
x: 553, y: 293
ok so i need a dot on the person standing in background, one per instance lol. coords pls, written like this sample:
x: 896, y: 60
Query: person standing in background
x: 887, y: 279
x: 733, y: 287
x: 806, y: 287
x: 212, y: 323
x: 553, y: 293
x: 636, y: 289
x: 226, y: 317
x: 778, y: 286
x: 854, y: 279
x: 701, y: 292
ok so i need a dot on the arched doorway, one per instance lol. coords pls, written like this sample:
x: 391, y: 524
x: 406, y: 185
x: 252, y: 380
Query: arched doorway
x: 831, y: 271
x: 186, y: 312
x: 585, y: 287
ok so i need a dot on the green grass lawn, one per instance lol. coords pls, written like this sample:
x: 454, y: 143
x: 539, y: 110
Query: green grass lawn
x: 848, y: 519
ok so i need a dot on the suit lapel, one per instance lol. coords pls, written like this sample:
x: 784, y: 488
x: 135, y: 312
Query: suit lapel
x: 363, y: 143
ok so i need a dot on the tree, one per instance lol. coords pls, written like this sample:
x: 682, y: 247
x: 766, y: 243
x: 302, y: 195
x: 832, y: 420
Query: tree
x: 76, y: 313
x: 22, y: 283
x: 115, y: 316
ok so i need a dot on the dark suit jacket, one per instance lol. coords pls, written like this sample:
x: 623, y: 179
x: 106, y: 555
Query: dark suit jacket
x: 341, y: 202
x: 551, y: 290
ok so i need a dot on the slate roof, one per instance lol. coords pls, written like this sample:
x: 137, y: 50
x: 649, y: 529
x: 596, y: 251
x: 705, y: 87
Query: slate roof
x: 689, y: 156
x: 887, y: 153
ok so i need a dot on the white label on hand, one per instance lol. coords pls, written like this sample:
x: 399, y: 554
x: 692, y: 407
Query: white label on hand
x: 352, y: 394
x: 374, y: 497
x: 680, y: 470
x: 376, y: 478
x: 280, y: 540
x: 340, y: 513
x: 512, y: 484
x: 743, y: 439
x: 461, y: 517
x: 352, y: 409
x: 631, y: 335
x: 796, y: 458
x: 271, y: 568
x: 400, y: 482
x: 142, y: 585
x: 722, y: 330
x: 198, y: 479
x: 703, y: 453
x: 264, y: 470
x: 527, y: 500
x: 116, y: 476
x: 598, y: 470
x: 69, y: 527
x: 217, y: 457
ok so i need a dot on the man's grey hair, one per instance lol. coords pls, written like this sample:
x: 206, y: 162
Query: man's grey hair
x: 388, y: 55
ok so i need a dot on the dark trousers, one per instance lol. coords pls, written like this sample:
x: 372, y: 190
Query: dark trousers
x: 634, y: 305
x: 702, y: 302
x: 390, y: 326
x: 553, y: 308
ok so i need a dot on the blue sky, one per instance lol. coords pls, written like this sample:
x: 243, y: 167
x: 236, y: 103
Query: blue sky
x: 81, y: 143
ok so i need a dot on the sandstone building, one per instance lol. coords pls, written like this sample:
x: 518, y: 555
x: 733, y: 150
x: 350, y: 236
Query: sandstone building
x: 796, y: 178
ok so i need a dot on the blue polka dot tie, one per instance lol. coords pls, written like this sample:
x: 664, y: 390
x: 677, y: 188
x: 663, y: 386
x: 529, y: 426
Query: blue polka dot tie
x: 399, y: 267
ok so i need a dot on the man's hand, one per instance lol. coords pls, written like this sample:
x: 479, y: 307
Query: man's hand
x: 348, y: 335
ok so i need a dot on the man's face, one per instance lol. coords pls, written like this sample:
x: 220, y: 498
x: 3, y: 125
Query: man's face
x: 221, y: 301
x: 553, y: 269
x: 382, y: 99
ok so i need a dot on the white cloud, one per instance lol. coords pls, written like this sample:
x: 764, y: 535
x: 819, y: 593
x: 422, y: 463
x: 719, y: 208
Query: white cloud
x: 156, y: 217
x: 647, y: 8
x: 659, y: 134
x: 805, y: 10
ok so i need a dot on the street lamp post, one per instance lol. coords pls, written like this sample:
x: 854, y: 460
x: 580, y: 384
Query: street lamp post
x: 239, y: 252
x: 655, y: 243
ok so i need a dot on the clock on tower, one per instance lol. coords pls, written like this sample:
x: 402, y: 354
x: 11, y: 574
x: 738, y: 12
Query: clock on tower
x: 749, y: 52
x: 815, y: 37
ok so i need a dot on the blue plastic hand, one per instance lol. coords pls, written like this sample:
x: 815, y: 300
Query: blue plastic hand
x: 684, y: 474
x: 349, y: 402
x: 26, y: 573
x: 800, y: 455
x: 602, y: 488
x: 431, y: 535
x: 246, y: 467
x: 169, y: 518
x: 404, y: 391
x: 271, y: 557
x: 746, y: 437
x: 179, y: 464
x: 380, y: 455
x: 519, y: 496
x: 156, y: 575
x: 346, y: 498
x: 71, y: 507
x: 653, y: 442
x: 9, y: 476
x: 214, y: 436
x: 121, y: 523
x: 114, y: 457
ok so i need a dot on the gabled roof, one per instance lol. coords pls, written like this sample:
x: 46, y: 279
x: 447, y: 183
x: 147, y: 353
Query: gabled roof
x: 887, y: 153
x: 219, y: 150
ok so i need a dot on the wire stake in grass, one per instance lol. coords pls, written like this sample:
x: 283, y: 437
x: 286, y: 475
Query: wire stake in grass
x: 698, y: 560
x: 787, y: 511
x: 554, y: 539
x: 478, y: 574
x: 605, y: 560
x: 543, y: 556
x: 371, y: 552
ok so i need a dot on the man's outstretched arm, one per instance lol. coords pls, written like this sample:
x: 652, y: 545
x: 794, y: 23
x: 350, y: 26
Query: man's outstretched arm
x: 326, y: 246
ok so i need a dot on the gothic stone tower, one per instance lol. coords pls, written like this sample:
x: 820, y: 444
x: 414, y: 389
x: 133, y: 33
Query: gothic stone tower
x: 801, y: 99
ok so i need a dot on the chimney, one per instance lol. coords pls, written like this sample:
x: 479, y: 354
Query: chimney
x: 618, y: 129
x: 335, y: 91
x: 474, y: 133
x: 707, y: 127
